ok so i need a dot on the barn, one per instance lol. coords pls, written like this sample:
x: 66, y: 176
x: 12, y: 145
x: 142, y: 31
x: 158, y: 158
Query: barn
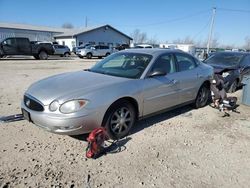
x: 102, y: 35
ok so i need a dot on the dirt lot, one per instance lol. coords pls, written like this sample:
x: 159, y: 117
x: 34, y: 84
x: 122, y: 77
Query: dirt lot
x: 181, y: 148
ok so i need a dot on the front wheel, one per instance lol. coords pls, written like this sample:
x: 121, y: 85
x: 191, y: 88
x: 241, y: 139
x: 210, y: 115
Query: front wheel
x: 202, y: 97
x: 107, y: 54
x: 119, y: 119
x: 89, y: 55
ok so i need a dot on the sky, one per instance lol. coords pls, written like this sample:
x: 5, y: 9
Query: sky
x: 163, y: 20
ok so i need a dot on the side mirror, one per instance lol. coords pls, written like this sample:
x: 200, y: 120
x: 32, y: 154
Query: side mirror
x: 92, y: 48
x: 157, y: 72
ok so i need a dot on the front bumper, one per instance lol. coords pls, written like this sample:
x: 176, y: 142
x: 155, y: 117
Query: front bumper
x: 64, y: 124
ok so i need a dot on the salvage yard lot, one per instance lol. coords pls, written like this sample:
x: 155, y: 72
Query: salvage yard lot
x: 180, y: 148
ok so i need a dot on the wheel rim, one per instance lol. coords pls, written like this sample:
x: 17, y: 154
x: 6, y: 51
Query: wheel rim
x: 121, y: 121
x: 202, y: 97
x: 89, y: 56
x: 43, y: 55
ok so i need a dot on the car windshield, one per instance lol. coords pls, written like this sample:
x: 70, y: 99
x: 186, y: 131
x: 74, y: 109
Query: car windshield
x: 128, y: 65
x: 230, y: 59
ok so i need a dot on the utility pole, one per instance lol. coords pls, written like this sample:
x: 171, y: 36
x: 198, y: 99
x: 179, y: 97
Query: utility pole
x: 86, y: 21
x: 211, y: 30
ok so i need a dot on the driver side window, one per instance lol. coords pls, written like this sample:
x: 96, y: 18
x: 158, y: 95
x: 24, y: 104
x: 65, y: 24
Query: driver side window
x: 11, y: 42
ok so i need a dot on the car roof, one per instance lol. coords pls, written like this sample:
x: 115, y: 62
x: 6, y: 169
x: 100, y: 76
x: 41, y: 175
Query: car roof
x: 151, y: 51
x: 232, y: 53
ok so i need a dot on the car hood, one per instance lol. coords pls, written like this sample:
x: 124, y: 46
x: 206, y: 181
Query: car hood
x: 68, y: 86
x: 222, y: 68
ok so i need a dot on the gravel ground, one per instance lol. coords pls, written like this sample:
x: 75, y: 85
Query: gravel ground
x: 181, y: 148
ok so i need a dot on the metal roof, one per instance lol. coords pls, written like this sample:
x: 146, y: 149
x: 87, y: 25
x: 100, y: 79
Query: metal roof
x: 62, y: 32
x: 75, y: 32
x: 31, y: 27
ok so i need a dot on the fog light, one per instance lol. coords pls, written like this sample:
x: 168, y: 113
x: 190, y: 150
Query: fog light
x: 54, y: 106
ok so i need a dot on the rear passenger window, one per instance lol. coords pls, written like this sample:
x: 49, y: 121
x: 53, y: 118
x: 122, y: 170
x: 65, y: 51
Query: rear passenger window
x: 185, y: 62
x: 165, y: 62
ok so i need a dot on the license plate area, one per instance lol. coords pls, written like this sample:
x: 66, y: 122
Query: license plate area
x: 26, y: 115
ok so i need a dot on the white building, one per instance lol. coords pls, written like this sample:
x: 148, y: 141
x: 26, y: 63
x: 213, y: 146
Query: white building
x: 103, y: 35
x: 189, y: 48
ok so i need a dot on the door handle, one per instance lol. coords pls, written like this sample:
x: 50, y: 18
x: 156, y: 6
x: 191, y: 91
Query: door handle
x: 173, y: 82
x: 200, y: 76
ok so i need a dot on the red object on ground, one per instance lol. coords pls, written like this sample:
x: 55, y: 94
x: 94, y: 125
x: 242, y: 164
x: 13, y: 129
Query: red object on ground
x: 96, y: 142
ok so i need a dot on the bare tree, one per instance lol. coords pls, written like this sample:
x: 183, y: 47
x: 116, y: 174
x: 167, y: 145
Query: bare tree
x: 247, y: 43
x: 186, y: 40
x: 152, y: 40
x: 138, y: 36
x: 67, y: 25
x: 214, y: 43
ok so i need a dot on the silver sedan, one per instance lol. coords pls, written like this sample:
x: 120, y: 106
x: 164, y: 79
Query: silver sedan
x: 117, y: 91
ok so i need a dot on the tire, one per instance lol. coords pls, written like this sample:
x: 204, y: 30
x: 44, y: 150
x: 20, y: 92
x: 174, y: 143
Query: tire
x: 66, y: 54
x: 202, y: 97
x: 119, y: 119
x: 89, y: 55
x: 107, y: 54
x: 233, y: 87
x: 43, y: 55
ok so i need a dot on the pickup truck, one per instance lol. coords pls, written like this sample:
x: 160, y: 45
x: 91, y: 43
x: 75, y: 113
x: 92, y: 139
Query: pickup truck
x: 22, y: 46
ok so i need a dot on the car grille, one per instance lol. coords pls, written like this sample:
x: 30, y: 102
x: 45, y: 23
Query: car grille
x: 33, y: 104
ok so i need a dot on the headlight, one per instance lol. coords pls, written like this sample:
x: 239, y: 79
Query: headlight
x: 72, y: 106
x: 225, y: 74
x: 54, y: 106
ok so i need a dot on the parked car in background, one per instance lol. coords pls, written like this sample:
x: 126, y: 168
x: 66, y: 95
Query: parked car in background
x: 22, y: 46
x: 122, y: 47
x: 94, y: 51
x: 114, y: 93
x: 62, y: 50
x: 75, y: 49
x: 232, y: 66
x: 143, y: 46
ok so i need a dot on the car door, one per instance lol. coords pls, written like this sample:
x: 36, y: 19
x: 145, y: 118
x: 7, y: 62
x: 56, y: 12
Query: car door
x: 10, y: 46
x: 23, y: 46
x: 96, y: 51
x: 189, y: 76
x: 161, y: 92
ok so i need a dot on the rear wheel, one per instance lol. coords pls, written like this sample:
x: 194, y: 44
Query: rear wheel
x: 119, y: 119
x: 107, y: 54
x: 43, y: 55
x: 89, y: 55
x: 66, y: 54
x: 202, y: 97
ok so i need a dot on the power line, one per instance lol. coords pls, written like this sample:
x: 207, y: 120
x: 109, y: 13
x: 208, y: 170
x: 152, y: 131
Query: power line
x: 203, y: 28
x: 168, y: 21
x: 234, y: 10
